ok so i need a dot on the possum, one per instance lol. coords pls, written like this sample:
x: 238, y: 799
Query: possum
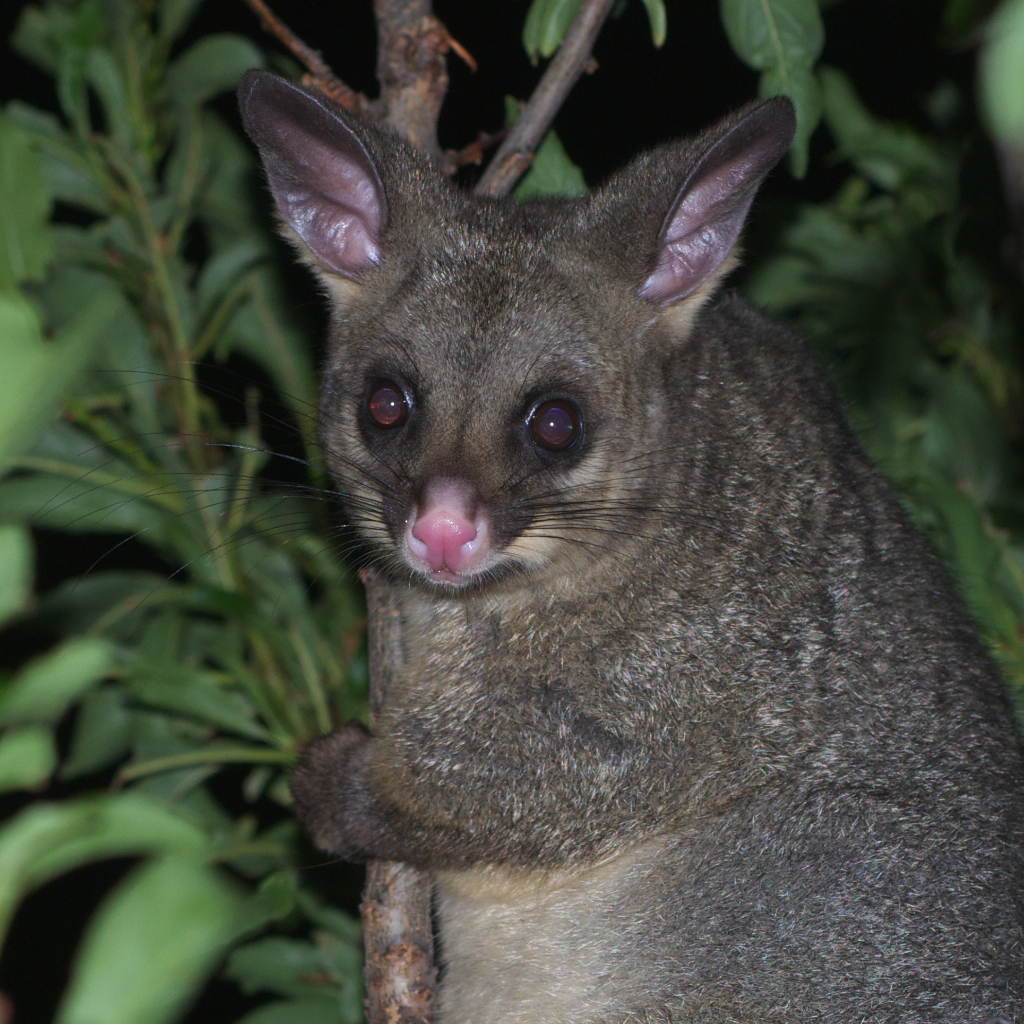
x: 690, y: 724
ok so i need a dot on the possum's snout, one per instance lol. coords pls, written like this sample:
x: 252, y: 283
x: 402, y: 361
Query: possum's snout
x: 448, y: 533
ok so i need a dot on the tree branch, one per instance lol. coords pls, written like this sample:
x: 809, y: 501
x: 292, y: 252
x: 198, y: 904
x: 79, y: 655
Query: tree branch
x: 411, y: 68
x: 516, y: 152
x: 397, y: 930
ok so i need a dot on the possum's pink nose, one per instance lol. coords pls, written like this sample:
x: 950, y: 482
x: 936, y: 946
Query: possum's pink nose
x: 446, y: 532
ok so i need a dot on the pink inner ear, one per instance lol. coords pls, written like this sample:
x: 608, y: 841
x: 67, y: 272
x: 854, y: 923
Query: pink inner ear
x: 331, y: 202
x: 324, y: 181
x: 701, y: 231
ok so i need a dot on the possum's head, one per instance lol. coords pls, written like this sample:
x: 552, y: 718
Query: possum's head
x: 492, y: 406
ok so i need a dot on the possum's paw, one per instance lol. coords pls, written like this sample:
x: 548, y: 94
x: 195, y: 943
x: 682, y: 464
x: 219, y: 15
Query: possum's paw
x: 331, y: 797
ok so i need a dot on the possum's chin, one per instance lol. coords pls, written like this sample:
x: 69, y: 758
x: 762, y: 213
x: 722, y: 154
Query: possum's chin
x: 496, y: 573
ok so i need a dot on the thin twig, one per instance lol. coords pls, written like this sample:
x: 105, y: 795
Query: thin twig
x: 320, y: 73
x: 516, y: 152
x: 473, y: 153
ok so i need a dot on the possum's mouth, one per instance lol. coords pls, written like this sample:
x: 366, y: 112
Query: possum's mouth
x: 451, y: 559
x: 448, y: 536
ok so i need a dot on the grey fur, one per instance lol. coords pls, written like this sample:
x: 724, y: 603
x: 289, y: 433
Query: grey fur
x: 721, y: 746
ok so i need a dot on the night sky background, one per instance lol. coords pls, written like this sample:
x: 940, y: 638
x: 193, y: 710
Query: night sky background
x: 895, y: 52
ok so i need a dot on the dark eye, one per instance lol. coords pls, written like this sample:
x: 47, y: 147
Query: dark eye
x: 386, y: 404
x: 554, y: 426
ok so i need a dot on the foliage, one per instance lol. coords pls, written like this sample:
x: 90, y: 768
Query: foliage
x: 134, y: 259
x: 1002, y: 74
x: 255, y: 646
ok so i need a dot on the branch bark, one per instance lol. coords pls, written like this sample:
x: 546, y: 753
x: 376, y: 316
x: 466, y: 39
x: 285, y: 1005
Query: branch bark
x: 411, y: 69
x: 516, y: 152
x: 397, y: 930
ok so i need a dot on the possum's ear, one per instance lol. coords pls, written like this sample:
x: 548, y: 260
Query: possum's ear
x: 324, y: 181
x: 708, y: 212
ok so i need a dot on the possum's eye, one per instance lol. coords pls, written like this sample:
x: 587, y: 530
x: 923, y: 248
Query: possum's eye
x: 555, y: 425
x: 386, y: 405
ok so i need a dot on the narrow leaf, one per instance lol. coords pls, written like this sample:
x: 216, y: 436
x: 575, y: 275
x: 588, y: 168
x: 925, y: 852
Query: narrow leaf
x: 46, y: 839
x: 37, y: 372
x: 27, y: 758
x: 24, y: 211
x: 552, y: 173
x: 1001, y: 74
x: 658, y: 18
x: 15, y: 568
x: 774, y: 33
x: 42, y: 691
x: 101, y: 733
x: 174, y: 17
x: 782, y: 39
x: 209, y: 67
x: 152, y: 944
x: 196, y: 694
x: 315, y: 1010
x: 104, y: 76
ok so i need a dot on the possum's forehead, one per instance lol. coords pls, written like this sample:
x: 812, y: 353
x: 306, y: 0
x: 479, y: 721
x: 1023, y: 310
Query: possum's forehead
x: 479, y: 296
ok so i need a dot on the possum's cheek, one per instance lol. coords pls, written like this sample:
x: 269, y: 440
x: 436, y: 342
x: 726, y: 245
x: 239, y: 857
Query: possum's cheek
x: 534, y: 550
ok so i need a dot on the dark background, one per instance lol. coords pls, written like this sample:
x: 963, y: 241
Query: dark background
x: 894, y: 51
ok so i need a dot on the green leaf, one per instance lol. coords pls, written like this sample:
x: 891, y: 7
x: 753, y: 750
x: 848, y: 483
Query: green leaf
x: 288, y: 967
x: 36, y: 373
x: 78, y: 605
x: 35, y: 831
x: 224, y: 270
x: 782, y: 39
x: 67, y: 171
x: 174, y: 16
x: 15, y: 568
x: 546, y: 23
x: 802, y: 87
x: 225, y: 204
x: 261, y: 330
x: 884, y: 154
x: 42, y: 691
x: 774, y: 33
x: 79, y: 506
x: 27, y: 758
x: 207, y: 756
x: 24, y: 235
x: 151, y: 945
x: 45, y: 839
x: 962, y: 438
x: 103, y: 74
x: 658, y: 18
x: 276, y: 964
x: 33, y: 37
x: 1001, y: 74
x: 211, y: 66
x: 320, y: 1010
x: 123, y: 354
x: 197, y: 694
x: 552, y: 173
x: 101, y: 733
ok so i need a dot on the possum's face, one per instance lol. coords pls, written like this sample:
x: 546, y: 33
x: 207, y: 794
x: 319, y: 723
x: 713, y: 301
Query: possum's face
x: 493, y: 407
x: 480, y: 430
